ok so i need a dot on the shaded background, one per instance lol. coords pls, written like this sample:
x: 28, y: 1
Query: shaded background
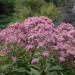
x: 17, y: 10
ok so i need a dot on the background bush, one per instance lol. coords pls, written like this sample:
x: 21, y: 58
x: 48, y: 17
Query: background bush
x: 6, y: 10
x: 17, y: 10
x: 26, y: 8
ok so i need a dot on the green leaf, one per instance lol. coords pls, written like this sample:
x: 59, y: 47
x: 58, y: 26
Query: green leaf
x: 48, y: 66
x: 34, y: 72
x: 20, y: 69
x: 53, y: 73
x: 5, y: 67
x: 55, y: 68
x: 2, y: 58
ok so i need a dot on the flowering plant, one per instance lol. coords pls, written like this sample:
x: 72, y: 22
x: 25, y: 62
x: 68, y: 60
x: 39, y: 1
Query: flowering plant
x: 37, y: 46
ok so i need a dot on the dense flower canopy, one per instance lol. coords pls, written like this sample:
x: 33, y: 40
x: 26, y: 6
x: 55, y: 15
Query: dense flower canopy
x: 40, y: 32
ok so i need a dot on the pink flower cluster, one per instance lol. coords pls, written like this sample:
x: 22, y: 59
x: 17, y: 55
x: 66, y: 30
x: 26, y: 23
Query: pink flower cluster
x: 40, y: 32
x: 66, y: 40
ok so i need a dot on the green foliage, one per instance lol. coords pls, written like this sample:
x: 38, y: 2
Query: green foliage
x: 6, y: 10
x: 34, y: 72
x: 6, y: 7
x: 18, y: 10
x: 27, y: 8
x: 23, y: 66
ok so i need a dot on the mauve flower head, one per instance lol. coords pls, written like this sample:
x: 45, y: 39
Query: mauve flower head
x: 45, y: 53
x: 9, y: 35
x: 41, y: 44
x: 29, y: 47
x: 14, y: 59
x: 13, y: 25
x: 37, y: 32
x: 36, y: 20
x: 61, y: 59
x: 65, y: 26
x: 21, y: 32
x: 35, y: 61
x: 3, y: 52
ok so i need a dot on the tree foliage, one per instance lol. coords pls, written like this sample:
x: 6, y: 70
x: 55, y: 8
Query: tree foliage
x: 6, y: 10
x: 17, y: 10
x: 27, y: 8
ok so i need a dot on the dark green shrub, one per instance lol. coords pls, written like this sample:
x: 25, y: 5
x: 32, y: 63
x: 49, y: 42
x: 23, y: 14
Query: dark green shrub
x: 27, y: 8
